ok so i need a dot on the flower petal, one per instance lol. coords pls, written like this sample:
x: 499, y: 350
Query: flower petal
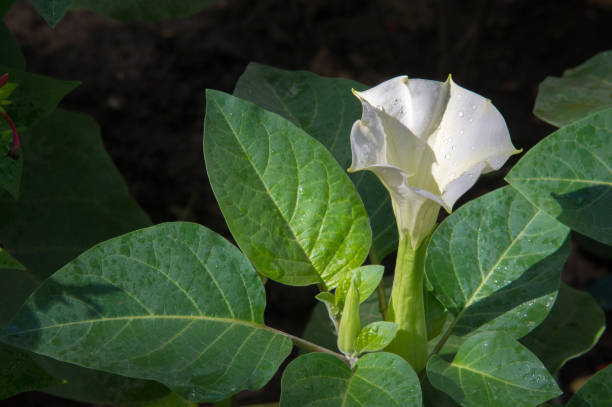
x: 472, y: 131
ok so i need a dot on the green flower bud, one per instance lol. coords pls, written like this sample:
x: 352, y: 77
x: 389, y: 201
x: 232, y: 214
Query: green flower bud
x: 349, y: 323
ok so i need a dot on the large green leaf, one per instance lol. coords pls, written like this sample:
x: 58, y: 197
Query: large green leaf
x: 597, y: 392
x: 572, y: 328
x: 19, y: 373
x: 175, y: 303
x: 291, y: 208
x: 580, y: 92
x: 378, y: 380
x: 492, y: 369
x: 496, y: 263
x: 72, y: 196
x: 325, y: 109
x: 52, y: 10
x: 569, y: 175
x: 35, y: 97
x: 170, y: 400
x: 155, y: 10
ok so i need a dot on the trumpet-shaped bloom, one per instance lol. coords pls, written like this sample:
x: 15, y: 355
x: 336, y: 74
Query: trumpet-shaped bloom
x: 428, y: 142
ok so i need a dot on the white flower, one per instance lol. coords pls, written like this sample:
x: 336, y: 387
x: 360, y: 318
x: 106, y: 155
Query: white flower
x: 428, y: 142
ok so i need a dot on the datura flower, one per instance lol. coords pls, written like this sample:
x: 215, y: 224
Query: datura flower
x: 428, y: 142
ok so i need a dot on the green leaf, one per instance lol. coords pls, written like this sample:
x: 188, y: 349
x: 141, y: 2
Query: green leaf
x: 154, y: 10
x: 572, y: 328
x: 72, y: 196
x: 52, y: 10
x: 375, y: 336
x: 367, y: 279
x: 15, y: 287
x: 35, y: 97
x: 288, y: 204
x: 597, y: 392
x: 175, y: 303
x: 379, y: 379
x: 19, y: 373
x: 569, y: 175
x: 96, y: 387
x: 580, y: 92
x: 492, y: 369
x: 10, y: 54
x: 495, y: 264
x: 326, y: 109
x: 9, y: 262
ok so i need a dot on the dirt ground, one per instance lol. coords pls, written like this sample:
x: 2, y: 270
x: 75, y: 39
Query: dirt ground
x: 144, y: 84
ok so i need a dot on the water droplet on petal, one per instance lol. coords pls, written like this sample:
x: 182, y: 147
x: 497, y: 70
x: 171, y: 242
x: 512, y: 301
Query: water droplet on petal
x: 460, y: 114
x: 453, y: 148
x: 473, y: 107
x: 471, y: 120
x: 447, y: 156
x: 461, y: 131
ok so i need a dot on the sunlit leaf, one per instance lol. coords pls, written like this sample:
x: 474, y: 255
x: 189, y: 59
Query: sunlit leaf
x: 495, y: 264
x: 493, y: 370
x: 378, y: 380
x: 326, y: 109
x: 569, y: 175
x: 175, y: 303
x: 290, y: 207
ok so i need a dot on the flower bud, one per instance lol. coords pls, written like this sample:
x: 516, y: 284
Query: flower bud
x: 350, y: 324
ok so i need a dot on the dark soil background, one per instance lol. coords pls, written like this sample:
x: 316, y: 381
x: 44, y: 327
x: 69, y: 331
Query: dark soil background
x: 144, y: 84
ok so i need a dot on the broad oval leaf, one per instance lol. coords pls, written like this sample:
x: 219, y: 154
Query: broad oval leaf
x: 572, y: 328
x: 581, y: 91
x: 52, y: 10
x: 175, y: 303
x: 322, y: 380
x: 597, y: 392
x: 326, y: 109
x: 569, y: 175
x: 290, y: 207
x: 496, y: 262
x: 493, y: 370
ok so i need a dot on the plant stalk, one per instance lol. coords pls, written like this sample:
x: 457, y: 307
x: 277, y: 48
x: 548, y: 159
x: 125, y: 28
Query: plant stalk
x: 407, y: 307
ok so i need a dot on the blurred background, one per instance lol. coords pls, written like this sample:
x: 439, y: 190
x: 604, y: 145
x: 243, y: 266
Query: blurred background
x: 144, y: 84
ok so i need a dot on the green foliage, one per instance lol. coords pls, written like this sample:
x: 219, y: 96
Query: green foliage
x: 375, y: 336
x: 19, y: 373
x: 175, y: 303
x: 495, y: 264
x: 10, y: 54
x: 569, y: 175
x: 71, y: 198
x: 581, y: 91
x: 597, y: 392
x: 367, y: 279
x: 325, y: 109
x: 572, y: 328
x: 33, y: 98
x: 290, y: 207
x: 378, y: 380
x: 492, y: 369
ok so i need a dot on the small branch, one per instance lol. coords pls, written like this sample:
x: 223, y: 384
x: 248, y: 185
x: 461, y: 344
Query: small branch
x: 309, y: 346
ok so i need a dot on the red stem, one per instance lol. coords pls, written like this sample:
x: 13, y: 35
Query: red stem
x: 13, y: 153
x: 3, y: 80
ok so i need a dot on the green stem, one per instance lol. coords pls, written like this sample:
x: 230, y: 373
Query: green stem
x: 407, y: 308
x: 382, y: 299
